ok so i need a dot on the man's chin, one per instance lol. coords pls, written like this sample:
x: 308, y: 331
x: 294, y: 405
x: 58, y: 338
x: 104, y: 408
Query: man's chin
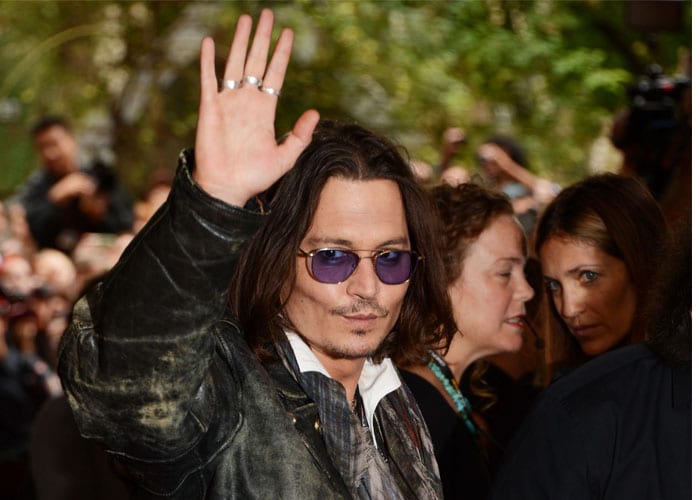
x: 352, y: 354
x: 355, y: 352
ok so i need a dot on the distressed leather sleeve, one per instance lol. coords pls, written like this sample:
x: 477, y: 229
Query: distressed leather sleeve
x: 139, y: 361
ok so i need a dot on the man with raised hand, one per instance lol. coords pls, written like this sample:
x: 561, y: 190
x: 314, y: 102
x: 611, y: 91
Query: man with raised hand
x: 241, y: 349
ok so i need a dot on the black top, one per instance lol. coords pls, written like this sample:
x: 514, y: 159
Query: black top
x: 463, y: 470
x: 514, y: 399
x: 618, y: 427
x: 65, y: 465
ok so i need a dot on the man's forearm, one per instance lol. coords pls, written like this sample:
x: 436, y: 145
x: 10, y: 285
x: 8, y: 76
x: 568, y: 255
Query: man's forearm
x: 136, y: 359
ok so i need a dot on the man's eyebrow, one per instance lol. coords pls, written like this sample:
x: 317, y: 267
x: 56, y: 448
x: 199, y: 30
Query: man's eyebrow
x: 326, y: 242
x: 394, y: 242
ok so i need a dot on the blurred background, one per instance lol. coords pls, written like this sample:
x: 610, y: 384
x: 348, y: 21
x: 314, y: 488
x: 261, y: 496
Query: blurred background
x: 582, y: 86
x: 552, y: 73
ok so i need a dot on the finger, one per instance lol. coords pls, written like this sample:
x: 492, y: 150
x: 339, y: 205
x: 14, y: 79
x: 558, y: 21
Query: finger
x: 207, y: 72
x: 237, y: 52
x: 257, y: 56
x: 274, y: 76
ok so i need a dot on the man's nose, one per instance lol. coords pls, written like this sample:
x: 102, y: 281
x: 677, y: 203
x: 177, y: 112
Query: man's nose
x: 364, y: 282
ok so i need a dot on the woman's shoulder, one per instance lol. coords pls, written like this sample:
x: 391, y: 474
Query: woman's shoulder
x: 611, y: 378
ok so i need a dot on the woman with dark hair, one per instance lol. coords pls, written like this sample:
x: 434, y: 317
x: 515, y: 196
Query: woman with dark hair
x: 598, y: 243
x: 483, y: 250
x: 620, y: 426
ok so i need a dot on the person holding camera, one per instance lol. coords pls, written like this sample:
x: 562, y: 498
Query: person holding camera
x: 653, y: 133
x: 66, y: 198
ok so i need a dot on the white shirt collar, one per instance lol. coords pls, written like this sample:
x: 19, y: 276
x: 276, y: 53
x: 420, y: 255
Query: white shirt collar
x: 376, y: 379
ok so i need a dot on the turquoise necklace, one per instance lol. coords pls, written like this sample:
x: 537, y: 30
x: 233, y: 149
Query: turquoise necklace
x: 439, y: 367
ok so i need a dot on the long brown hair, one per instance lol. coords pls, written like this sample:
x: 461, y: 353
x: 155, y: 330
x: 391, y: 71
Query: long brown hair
x: 267, y: 264
x: 618, y: 215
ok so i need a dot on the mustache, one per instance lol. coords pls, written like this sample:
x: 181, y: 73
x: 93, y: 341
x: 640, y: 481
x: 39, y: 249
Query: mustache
x: 361, y: 307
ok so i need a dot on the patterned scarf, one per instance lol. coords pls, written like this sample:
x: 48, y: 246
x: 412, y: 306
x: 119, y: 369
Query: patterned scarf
x: 408, y: 471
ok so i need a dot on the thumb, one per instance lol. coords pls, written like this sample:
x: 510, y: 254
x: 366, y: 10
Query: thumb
x: 301, y: 134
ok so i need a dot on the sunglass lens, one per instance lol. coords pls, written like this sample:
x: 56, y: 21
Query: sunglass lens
x: 333, y: 266
x: 395, y: 267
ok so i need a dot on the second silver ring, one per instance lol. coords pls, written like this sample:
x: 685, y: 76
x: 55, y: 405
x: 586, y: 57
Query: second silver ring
x: 231, y: 84
x: 252, y: 80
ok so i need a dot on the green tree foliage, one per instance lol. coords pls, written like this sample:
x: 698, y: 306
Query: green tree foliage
x: 550, y: 73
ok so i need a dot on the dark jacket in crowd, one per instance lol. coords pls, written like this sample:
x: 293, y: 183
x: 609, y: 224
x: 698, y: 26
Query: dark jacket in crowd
x: 60, y: 227
x: 165, y: 379
x: 66, y: 466
x: 23, y: 390
x: 618, y: 427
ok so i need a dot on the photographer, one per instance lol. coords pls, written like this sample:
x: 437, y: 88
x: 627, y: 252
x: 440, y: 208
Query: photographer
x: 65, y: 198
x: 654, y: 135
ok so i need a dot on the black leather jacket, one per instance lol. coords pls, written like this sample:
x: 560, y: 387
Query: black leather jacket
x: 155, y: 371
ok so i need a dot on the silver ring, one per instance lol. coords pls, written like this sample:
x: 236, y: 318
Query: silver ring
x: 270, y: 90
x: 252, y: 80
x: 231, y: 84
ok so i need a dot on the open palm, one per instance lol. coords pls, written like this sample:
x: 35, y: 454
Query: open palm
x: 236, y: 152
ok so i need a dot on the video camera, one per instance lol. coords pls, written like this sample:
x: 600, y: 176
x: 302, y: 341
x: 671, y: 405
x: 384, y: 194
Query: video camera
x: 104, y: 176
x: 654, y: 130
x: 655, y: 100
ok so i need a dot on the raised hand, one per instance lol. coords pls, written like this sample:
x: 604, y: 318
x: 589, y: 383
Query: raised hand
x: 236, y: 151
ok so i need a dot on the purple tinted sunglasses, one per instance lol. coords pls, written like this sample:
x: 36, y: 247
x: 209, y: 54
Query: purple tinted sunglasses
x: 335, y: 265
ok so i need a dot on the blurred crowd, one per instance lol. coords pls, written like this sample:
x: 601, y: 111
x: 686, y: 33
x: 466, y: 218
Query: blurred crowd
x: 64, y: 227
